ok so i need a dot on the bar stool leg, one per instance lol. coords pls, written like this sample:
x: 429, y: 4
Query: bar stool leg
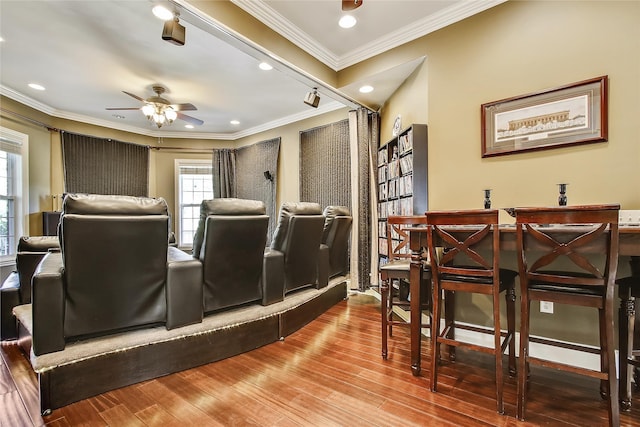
x: 510, y: 298
x: 384, y: 311
x: 626, y: 330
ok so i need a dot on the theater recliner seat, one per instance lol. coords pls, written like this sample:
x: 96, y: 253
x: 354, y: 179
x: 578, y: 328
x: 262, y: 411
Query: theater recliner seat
x: 115, y: 272
x: 230, y: 242
x: 296, y: 258
x: 336, y: 233
x: 16, y: 289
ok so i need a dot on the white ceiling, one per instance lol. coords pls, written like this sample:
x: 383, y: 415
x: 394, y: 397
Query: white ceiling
x: 86, y: 53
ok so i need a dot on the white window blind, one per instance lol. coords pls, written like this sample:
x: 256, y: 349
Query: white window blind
x: 194, y: 184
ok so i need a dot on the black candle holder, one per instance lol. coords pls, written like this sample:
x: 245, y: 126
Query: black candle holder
x: 487, y: 199
x: 562, y: 198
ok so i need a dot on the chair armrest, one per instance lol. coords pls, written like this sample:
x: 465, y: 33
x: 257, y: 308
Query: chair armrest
x: 323, y: 267
x: 184, y: 289
x: 9, y: 298
x: 48, y: 302
x: 272, y: 280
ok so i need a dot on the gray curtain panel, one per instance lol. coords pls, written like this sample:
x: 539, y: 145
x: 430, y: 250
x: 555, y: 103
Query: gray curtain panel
x: 224, y: 173
x: 249, y: 173
x: 367, y: 139
x: 104, y: 166
x: 325, y: 167
x: 335, y: 169
x: 256, y: 176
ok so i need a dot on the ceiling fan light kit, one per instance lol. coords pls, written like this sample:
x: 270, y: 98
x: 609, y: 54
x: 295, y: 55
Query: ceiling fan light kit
x: 160, y: 111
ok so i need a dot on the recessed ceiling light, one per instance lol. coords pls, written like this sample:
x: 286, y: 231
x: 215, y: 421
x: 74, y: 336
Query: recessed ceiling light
x: 265, y: 66
x: 234, y: 122
x: 162, y: 12
x: 1, y: 39
x: 189, y: 126
x: 347, y: 21
x: 36, y: 86
x: 366, y: 89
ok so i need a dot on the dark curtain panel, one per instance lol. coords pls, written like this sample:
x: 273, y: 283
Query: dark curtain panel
x: 224, y: 173
x: 104, y: 166
x: 256, y: 176
x: 325, y: 167
x: 365, y: 137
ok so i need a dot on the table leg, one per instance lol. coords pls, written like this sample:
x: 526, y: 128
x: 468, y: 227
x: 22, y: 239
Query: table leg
x: 415, y: 277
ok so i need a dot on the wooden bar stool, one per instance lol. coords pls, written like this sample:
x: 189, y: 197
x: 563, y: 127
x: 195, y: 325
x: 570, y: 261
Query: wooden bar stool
x: 464, y: 249
x: 396, y: 270
x: 553, y: 247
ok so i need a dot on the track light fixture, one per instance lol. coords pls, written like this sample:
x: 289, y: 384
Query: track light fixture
x: 173, y: 32
x: 351, y: 4
x: 312, y: 98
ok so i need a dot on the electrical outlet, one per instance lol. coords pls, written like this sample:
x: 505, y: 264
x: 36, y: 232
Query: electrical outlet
x: 629, y: 217
x: 546, y: 307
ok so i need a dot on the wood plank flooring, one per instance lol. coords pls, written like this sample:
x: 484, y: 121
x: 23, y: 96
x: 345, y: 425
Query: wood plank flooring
x: 330, y: 373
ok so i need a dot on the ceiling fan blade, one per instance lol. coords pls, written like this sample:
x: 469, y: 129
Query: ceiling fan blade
x: 133, y: 96
x: 123, y: 108
x: 184, y: 107
x: 190, y: 119
x: 351, y: 4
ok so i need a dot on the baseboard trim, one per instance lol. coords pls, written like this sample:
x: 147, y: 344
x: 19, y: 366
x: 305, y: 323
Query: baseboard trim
x: 538, y: 350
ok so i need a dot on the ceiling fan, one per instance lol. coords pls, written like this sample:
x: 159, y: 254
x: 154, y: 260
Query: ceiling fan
x: 351, y: 4
x: 160, y: 111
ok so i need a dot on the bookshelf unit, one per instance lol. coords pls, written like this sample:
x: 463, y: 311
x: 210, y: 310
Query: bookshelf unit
x: 402, y: 179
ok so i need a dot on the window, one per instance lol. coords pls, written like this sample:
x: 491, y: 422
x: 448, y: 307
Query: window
x: 14, y: 191
x: 194, y: 183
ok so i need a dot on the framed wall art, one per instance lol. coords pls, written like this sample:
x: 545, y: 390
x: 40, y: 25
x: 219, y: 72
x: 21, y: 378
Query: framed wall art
x: 567, y: 115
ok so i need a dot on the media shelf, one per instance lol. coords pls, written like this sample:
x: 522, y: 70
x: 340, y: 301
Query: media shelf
x: 402, y: 179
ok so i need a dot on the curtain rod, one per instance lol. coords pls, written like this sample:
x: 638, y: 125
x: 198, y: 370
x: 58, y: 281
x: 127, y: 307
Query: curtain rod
x: 49, y: 128
x: 30, y: 120
x: 195, y: 150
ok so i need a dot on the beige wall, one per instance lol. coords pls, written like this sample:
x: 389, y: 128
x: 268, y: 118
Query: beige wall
x: 513, y: 49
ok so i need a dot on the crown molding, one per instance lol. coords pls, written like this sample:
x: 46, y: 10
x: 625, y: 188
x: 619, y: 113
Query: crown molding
x: 281, y: 25
x: 274, y: 20
x: 325, y: 107
x: 415, y: 30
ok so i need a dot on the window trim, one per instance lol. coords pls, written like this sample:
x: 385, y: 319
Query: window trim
x: 22, y: 219
x: 178, y: 223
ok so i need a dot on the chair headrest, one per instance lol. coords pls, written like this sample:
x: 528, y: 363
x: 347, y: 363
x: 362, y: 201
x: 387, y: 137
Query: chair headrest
x: 37, y: 243
x: 300, y: 208
x: 100, y: 204
x: 231, y: 206
x: 331, y: 211
x: 287, y: 210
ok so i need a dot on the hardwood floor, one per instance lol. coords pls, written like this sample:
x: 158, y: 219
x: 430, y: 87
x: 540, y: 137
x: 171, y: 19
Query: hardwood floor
x: 329, y: 373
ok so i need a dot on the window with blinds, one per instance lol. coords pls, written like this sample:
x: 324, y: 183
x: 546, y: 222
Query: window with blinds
x: 14, y: 189
x: 194, y: 182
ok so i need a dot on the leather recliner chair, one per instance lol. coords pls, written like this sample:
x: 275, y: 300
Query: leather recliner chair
x: 230, y: 242
x: 336, y: 233
x: 296, y: 258
x: 16, y: 289
x: 115, y: 272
